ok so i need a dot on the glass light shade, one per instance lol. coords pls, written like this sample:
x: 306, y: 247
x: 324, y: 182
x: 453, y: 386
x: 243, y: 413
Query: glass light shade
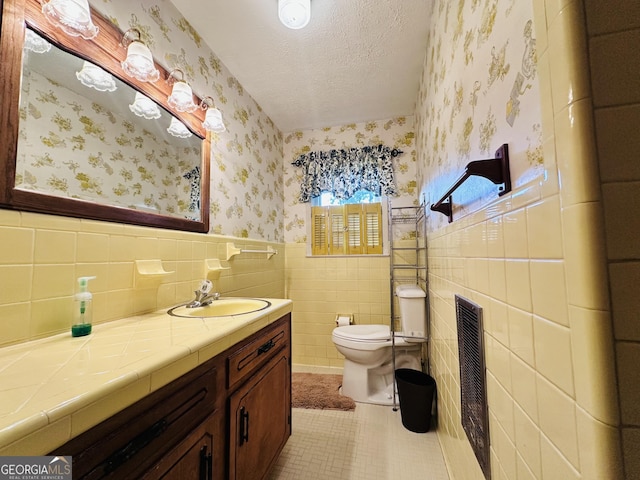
x: 93, y: 76
x: 213, y: 121
x: 178, y: 129
x: 72, y: 16
x: 35, y: 42
x: 144, y: 107
x: 139, y: 63
x: 181, y: 97
x: 294, y: 14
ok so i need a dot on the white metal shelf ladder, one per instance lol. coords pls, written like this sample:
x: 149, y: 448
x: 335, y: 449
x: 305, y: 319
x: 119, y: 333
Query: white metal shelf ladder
x: 415, y: 216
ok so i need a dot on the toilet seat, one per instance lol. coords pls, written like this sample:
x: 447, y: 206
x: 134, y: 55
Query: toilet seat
x: 366, y: 337
x: 364, y: 333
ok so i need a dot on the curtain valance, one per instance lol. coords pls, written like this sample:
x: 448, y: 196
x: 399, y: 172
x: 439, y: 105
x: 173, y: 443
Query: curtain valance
x: 346, y: 171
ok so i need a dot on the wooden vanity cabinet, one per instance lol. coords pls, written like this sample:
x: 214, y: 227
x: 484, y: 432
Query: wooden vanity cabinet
x: 260, y: 406
x: 228, y: 418
x: 139, y: 439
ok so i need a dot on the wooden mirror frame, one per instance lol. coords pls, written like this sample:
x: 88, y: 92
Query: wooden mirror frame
x: 104, y: 50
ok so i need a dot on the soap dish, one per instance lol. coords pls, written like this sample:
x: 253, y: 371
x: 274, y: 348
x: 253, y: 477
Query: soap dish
x: 213, y: 268
x: 150, y: 273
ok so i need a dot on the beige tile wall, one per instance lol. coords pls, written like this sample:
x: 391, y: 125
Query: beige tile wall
x: 322, y: 287
x: 42, y: 256
x: 614, y: 36
x: 549, y: 401
x: 536, y: 262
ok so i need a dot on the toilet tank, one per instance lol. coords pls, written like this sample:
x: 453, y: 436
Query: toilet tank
x: 413, y: 315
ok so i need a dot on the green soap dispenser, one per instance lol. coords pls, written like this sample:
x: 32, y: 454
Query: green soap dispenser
x: 82, y: 309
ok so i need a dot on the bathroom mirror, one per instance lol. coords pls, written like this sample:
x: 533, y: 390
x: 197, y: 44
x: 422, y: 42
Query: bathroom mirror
x: 82, y: 151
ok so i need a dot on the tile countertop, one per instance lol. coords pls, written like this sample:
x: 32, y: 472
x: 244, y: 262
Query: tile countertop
x: 53, y: 389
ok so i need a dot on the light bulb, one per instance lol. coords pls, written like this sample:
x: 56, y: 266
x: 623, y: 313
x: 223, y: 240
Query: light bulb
x: 213, y: 121
x: 178, y: 129
x: 72, y: 16
x: 95, y: 77
x: 139, y: 63
x: 294, y: 14
x: 181, y: 97
x: 35, y: 43
x: 144, y: 107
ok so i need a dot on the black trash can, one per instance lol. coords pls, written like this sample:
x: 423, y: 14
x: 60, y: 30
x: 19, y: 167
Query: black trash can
x: 415, y: 390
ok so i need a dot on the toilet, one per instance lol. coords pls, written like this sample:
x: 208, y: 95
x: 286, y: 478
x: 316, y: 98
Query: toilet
x: 368, y: 366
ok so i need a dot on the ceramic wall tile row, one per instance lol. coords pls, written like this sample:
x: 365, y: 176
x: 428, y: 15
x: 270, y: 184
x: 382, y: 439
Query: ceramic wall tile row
x: 613, y: 35
x: 38, y: 280
x: 531, y: 361
x: 535, y: 261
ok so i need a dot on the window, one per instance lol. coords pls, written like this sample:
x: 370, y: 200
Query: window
x: 354, y: 226
x: 348, y: 229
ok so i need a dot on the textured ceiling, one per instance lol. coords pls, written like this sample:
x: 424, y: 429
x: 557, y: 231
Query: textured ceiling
x: 357, y: 60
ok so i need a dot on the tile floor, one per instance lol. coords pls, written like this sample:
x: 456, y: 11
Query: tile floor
x: 369, y: 443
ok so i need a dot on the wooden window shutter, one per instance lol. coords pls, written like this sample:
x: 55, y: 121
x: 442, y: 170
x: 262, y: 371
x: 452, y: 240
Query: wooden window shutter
x: 372, y: 238
x: 337, y: 225
x: 353, y: 229
x: 319, y: 243
x: 354, y: 244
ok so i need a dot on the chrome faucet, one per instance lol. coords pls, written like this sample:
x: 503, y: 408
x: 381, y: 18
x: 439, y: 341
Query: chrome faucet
x: 203, y: 295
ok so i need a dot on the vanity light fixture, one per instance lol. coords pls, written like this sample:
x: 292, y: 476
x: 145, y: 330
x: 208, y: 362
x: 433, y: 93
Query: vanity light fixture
x: 181, y: 98
x: 213, y: 118
x: 35, y: 43
x: 93, y: 76
x: 178, y: 129
x: 139, y: 62
x: 294, y: 14
x: 72, y: 16
x: 144, y: 107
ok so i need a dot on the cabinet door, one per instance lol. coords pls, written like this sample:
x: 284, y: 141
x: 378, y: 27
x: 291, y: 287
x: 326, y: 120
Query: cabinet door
x: 261, y: 420
x: 193, y: 458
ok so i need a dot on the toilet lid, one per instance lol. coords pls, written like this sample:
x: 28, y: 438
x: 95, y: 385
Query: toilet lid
x: 363, y: 332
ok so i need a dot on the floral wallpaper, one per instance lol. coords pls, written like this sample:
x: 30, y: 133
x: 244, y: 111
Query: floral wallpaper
x: 246, y: 161
x: 394, y: 133
x: 480, y: 54
x: 73, y: 146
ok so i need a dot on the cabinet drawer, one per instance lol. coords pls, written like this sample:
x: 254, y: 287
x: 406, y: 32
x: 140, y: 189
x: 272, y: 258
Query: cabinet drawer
x: 129, y: 442
x: 257, y: 352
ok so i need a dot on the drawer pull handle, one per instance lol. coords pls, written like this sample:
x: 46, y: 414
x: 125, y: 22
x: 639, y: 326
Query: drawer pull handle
x: 244, y: 425
x: 121, y: 456
x: 206, y: 464
x: 266, y: 347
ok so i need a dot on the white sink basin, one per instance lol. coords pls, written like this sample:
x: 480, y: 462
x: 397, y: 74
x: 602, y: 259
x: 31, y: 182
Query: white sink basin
x: 221, y: 308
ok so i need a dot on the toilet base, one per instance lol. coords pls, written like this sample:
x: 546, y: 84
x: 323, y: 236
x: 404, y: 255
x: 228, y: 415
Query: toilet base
x: 375, y: 385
